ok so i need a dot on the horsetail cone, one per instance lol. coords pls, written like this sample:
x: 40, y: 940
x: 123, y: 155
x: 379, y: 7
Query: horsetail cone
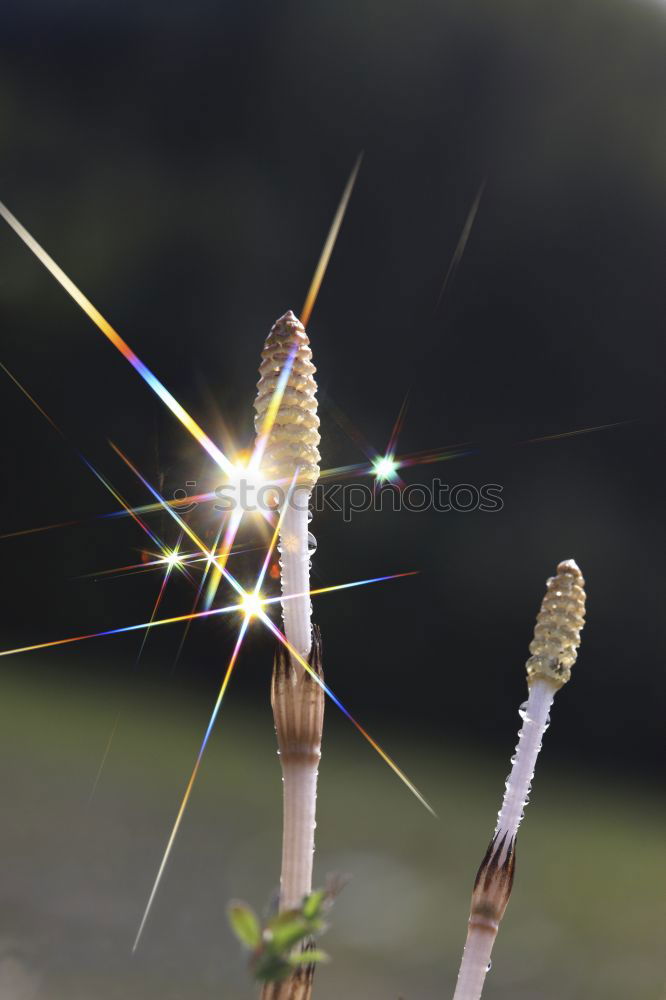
x: 294, y: 434
x: 559, y: 623
x: 288, y: 434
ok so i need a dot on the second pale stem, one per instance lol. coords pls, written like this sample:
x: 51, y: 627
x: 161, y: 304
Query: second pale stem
x: 483, y: 922
x: 475, y: 962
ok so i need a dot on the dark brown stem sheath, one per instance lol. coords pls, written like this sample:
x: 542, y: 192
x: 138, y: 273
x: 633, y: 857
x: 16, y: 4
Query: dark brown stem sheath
x: 492, y: 889
x: 297, y: 987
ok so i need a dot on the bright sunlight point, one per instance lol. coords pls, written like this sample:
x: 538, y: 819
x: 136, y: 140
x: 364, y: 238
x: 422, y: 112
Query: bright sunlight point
x: 251, y: 604
x: 385, y: 468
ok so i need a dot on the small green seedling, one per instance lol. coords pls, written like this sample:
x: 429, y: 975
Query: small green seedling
x: 273, y: 954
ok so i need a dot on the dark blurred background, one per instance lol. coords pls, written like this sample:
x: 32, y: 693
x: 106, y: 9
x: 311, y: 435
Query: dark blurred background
x: 182, y: 163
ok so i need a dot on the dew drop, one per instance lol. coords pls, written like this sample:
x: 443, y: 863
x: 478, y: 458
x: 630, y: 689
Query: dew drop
x: 272, y: 499
x: 312, y: 544
x: 522, y: 711
x: 489, y: 966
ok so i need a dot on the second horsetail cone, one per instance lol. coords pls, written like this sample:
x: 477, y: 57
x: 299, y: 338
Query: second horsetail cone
x: 293, y: 435
x: 559, y: 623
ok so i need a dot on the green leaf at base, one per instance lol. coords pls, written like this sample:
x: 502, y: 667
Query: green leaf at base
x: 244, y: 924
x: 308, y: 957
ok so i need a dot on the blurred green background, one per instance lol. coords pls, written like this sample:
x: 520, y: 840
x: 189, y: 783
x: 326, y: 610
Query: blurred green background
x: 585, y: 919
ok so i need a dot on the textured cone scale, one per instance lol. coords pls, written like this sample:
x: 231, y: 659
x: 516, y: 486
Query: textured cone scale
x: 559, y: 624
x: 294, y: 436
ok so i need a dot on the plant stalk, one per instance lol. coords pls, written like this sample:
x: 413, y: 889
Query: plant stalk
x: 494, y: 879
x: 554, y: 650
x: 287, y: 426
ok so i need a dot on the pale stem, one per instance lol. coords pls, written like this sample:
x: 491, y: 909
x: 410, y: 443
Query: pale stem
x: 299, y: 789
x: 299, y: 766
x: 295, y: 563
x: 475, y: 962
x: 485, y: 917
x: 535, y: 721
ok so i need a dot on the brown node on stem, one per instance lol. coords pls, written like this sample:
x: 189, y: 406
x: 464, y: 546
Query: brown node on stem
x: 493, y: 884
x: 297, y: 987
x: 298, y: 703
x: 559, y: 623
